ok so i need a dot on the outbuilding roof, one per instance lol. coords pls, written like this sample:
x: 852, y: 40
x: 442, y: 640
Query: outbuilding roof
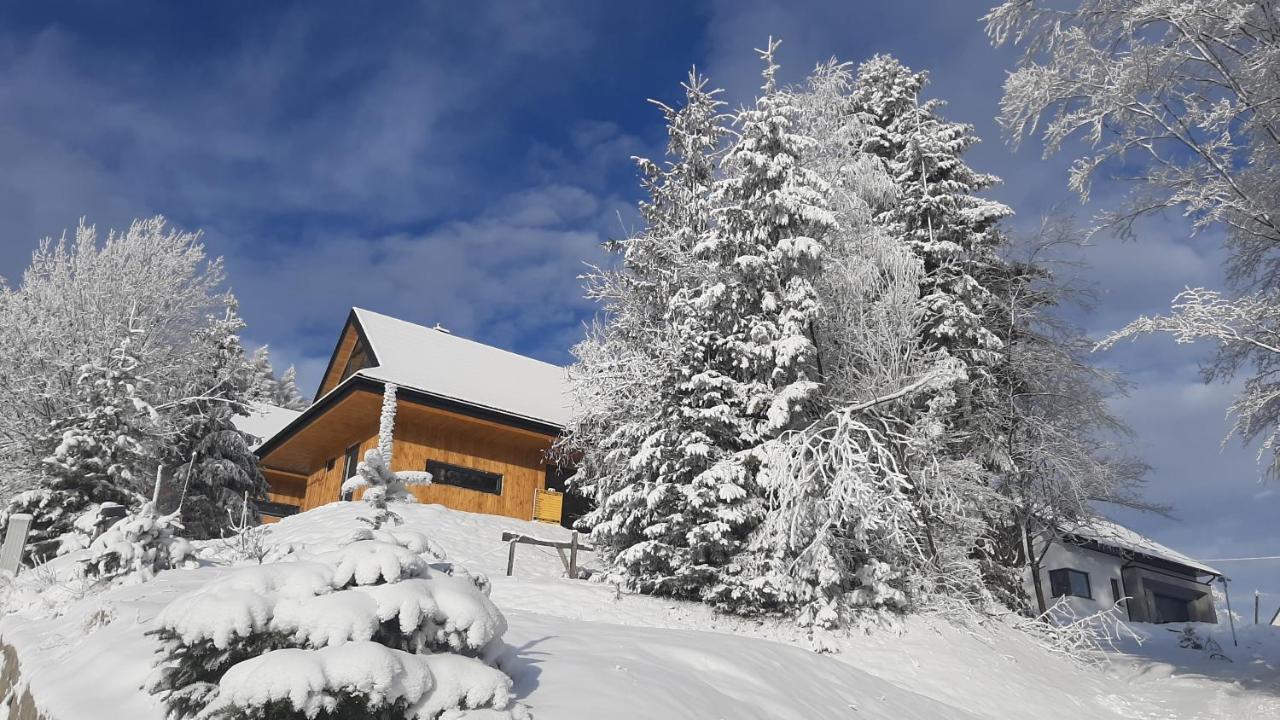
x: 264, y: 421
x: 1114, y: 535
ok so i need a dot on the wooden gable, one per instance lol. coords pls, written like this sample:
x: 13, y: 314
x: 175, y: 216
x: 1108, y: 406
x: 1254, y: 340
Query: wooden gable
x: 351, y: 354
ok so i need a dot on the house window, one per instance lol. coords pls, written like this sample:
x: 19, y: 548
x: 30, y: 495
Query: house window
x: 350, y: 462
x: 358, y: 360
x: 1115, y: 590
x: 276, y: 509
x: 464, y: 477
x: 1070, y: 582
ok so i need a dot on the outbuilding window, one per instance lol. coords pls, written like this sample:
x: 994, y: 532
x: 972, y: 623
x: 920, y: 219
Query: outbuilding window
x: 1070, y: 582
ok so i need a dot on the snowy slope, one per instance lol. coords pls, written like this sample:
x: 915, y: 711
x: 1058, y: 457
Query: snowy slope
x: 582, y: 651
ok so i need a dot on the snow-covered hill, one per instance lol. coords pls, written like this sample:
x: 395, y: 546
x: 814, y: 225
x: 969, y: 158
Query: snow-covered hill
x: 582, y: 651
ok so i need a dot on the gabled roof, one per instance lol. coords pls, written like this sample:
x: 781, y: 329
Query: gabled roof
x: 264, y: 421
x: 1113, y: 535
x: 453, y: 368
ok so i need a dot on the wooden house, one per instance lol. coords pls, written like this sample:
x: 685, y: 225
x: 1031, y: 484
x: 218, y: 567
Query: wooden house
x: 479, y: 418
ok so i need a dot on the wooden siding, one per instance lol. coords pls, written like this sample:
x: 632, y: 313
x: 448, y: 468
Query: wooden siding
x: 287, y: 488
x: 341, y: 355
x: 422, y: 433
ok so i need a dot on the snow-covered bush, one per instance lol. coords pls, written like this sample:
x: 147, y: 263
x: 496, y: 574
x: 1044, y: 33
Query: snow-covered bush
x: 369, y: 629
x: 141, y: 544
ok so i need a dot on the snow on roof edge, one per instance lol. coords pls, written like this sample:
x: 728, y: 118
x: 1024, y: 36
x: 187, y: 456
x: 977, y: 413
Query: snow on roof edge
x: 1108, y: 532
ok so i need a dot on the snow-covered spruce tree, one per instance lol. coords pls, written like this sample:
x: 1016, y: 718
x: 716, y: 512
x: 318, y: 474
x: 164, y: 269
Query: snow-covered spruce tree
x: 279, y: 391
x: 372, y: 629
x: 374, y: 475
x: 379, y: 627
x: 215, y: 468
x: 749, y: 333
x: 640, y: 435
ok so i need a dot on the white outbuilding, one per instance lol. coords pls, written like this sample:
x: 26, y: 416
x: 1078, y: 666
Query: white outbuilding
x: 1099, y: 563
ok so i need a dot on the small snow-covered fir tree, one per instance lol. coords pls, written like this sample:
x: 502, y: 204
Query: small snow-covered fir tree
x: 374, y: 475
x: 280, y: 391
x: 372, y: 628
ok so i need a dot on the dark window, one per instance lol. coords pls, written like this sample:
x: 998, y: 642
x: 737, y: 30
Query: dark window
x: 276, y: 509
x: 1070, y: 582
x: 464, y: 477
x: 358, y: 361
x: 1115, y: 590
x: 350, y: 462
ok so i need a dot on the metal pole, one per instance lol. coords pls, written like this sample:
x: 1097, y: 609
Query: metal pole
x: 1256, y: 600
x: 1226, y: 592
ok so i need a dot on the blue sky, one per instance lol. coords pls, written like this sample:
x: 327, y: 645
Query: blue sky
x: 461, y: 162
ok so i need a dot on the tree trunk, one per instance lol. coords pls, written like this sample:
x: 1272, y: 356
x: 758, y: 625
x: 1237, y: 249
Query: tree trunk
x: 1033, y: 565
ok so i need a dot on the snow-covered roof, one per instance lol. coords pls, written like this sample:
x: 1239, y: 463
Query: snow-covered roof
x: 1106, y: 532
x: 264, y: 421
x: 442, y: 364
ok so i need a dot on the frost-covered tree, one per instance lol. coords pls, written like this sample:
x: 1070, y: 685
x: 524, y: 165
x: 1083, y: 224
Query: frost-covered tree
x: 126, y: 331
x: 865, y: 511
x: 1061, y: 448
x: 1184, y: 90
x: 937, y: 211
x: 378, y: 627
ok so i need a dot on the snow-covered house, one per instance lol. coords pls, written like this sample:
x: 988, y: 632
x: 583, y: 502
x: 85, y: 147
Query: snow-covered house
x: 479, y: 418
x: 1099, y: 563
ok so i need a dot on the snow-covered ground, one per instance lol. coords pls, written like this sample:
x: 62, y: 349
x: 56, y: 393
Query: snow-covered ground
x: 582, y: 651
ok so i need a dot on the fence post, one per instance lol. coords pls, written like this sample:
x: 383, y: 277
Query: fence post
x: 15, y: 541
x: 573, y: 556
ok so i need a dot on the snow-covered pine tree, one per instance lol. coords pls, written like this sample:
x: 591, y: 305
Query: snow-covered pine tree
x: 287, y: 394
x: 215, y: 468
x: 266, y: 387
x: 749, y: 333
x: 937, y: 211
x: 638, y: 441
x: 727, y: 265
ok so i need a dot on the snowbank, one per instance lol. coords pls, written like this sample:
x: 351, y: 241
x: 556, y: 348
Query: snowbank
x: 582, y: 651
